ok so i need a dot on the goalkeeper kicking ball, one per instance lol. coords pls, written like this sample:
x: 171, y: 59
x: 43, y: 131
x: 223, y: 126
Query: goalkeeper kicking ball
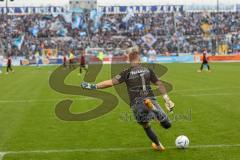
x: 182, y: 142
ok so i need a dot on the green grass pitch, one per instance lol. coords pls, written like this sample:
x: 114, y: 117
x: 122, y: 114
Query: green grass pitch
x: 208, y: 104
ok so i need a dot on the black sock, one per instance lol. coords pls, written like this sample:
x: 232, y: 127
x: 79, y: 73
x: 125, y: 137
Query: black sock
x: 201, y: 67
x: 151, y: 135
x: 208, y: 67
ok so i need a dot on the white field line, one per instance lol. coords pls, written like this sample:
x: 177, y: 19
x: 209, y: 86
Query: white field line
x: 204, y: 89
x: 210, y: 94
x: 43, y: 100
x: 2, y: 154
x: 215, y: 146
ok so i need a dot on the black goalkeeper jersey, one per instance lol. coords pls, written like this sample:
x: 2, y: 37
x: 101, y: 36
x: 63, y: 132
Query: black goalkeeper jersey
x: 138, y: 80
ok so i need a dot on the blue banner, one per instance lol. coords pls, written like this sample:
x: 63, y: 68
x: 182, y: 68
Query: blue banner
x: 170, y: 59
x: 142, y: 9
x: 237, y: 46
x: 32, y: 10
x: 238, y: 7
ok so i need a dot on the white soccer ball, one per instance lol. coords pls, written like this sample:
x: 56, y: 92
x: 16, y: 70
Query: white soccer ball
x: 182, y: 142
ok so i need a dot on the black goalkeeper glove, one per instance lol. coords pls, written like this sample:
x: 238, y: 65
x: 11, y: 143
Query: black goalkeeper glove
x: 86, y: 85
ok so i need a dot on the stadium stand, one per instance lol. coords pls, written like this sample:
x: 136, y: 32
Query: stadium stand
x: 181, y: 32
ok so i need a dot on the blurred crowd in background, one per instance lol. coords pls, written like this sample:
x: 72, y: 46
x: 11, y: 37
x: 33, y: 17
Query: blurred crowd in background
x: 169, y: 33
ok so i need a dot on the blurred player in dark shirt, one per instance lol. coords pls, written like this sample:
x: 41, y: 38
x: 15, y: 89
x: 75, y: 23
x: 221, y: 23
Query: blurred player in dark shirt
x: 9, y: 64
x: 64, y: 60
x: 204, y: 62
x: 83, y: 64
x: 143, y: 102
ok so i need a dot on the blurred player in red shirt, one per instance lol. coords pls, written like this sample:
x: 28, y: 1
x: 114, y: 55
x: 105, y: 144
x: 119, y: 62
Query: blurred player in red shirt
x: 9, y: 64
x: 204, y: 62
x: 64, y: 60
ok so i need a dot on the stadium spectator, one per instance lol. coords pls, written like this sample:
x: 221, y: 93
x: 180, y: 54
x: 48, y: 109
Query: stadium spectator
x: 152, y: 55
x: 1, y: 63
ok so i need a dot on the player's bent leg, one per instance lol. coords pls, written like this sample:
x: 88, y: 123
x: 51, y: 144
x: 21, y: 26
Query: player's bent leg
x: 143, y: 116
x: 86, y: 70
x: 7, y: 69
x: 152, y: 136
x: 208, y: 67
x: 80, y: 71
x: 202, y: 65
x: 166, y: 124
x: 162, y: 116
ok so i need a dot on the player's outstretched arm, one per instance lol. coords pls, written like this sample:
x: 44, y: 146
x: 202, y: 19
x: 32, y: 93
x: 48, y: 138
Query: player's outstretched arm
x: 101, y: 85
x: 107, y: 83
x: 168, y: 103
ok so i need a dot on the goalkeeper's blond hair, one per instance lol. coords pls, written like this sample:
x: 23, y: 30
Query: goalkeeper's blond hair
x: 133, y: 53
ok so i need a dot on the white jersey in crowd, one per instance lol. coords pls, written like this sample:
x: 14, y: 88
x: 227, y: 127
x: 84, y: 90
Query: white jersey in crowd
x: 1, y: 63
x: 152, y: 55
x: 152, y: 52
x: 1, y: 60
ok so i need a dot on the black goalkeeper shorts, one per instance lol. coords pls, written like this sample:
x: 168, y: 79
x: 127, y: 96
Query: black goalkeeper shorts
x: 83, y: 65
x: 143, y: 114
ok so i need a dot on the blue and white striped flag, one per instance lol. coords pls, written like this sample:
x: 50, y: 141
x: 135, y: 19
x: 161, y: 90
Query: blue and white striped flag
x: 17, y: 42
x: 96, y: 15
x: 107, y: 26
x: 139, y: 26
x: 77, y: 21
x: 149, y: 39
x: 62, y: 32
x: 35, y: 31
x: 67, y: 17
x: 129, y: 15
x: 93, y: 14
x: 83, y: 34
